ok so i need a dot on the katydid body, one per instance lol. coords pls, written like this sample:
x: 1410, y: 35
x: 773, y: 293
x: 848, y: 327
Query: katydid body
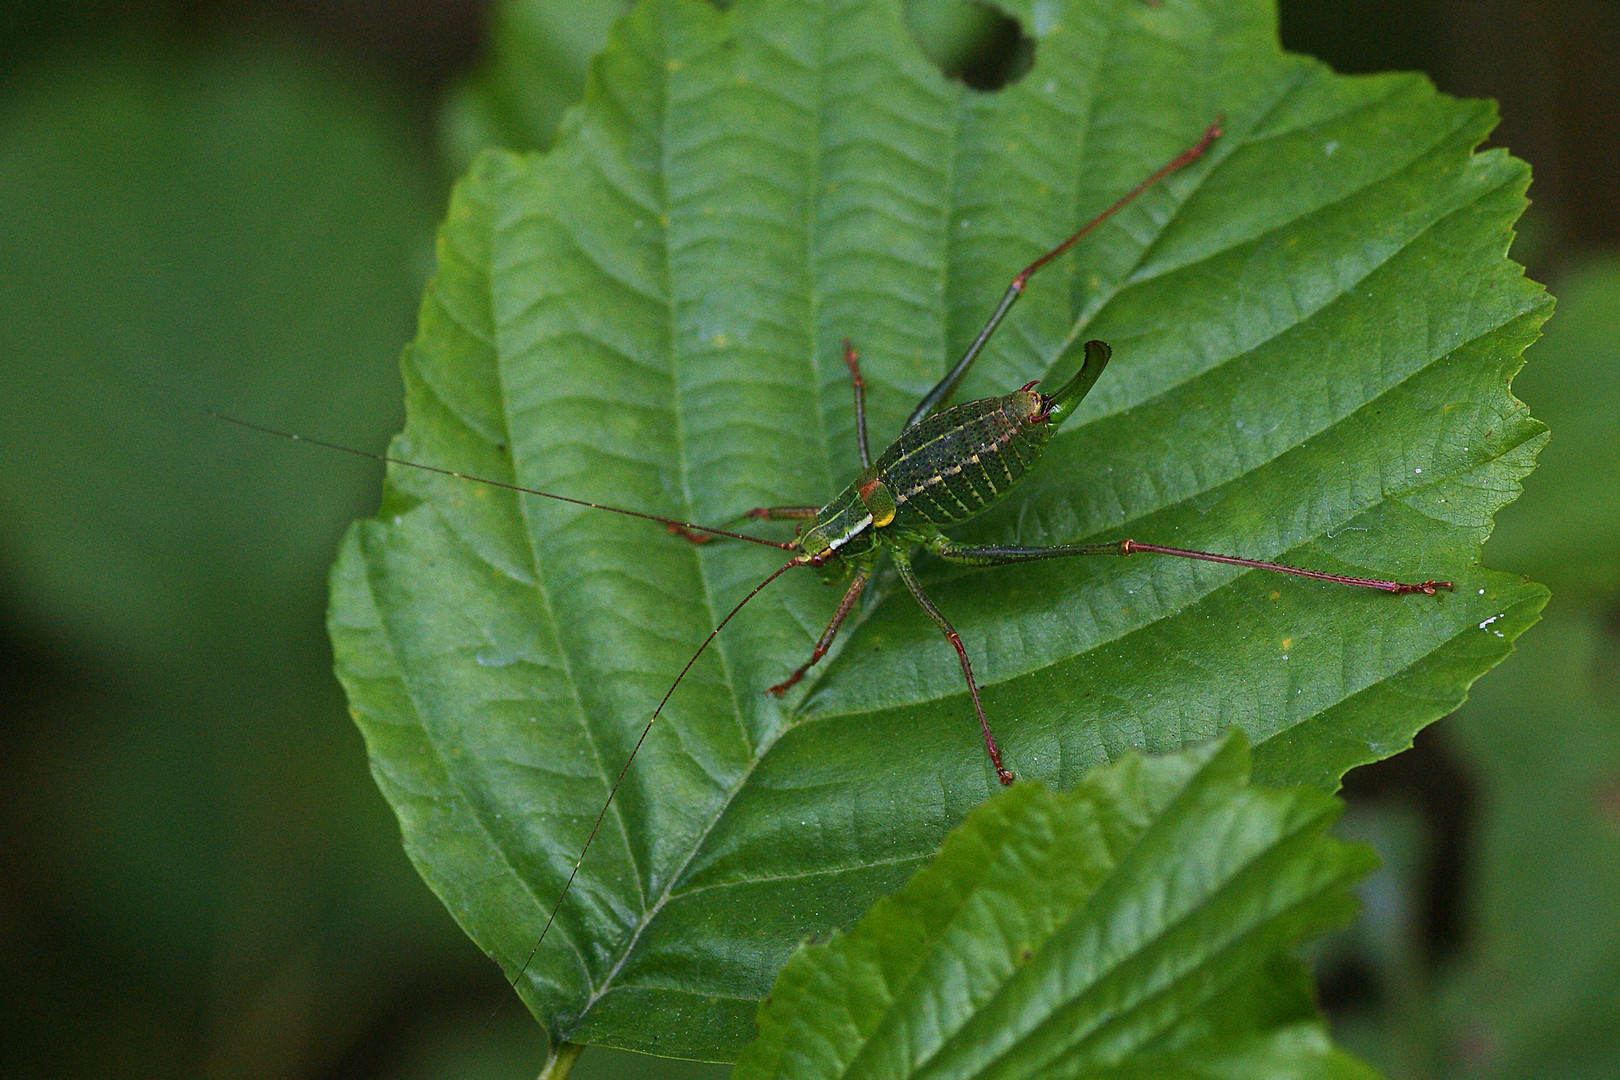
x: 948, y: 464
x: 943, y: 469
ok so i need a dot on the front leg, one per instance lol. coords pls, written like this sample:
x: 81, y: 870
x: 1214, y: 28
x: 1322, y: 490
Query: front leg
x: 759, y: 513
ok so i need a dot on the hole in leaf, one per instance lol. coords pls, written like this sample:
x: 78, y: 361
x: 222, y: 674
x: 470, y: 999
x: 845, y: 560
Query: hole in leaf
x: 971, y: 42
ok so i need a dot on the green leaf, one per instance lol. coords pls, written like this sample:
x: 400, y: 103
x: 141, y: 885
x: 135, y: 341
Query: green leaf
x: 1313, y: 331
x: 1137, y: 925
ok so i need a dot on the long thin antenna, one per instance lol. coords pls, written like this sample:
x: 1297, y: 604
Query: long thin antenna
x: 797, y: 560
x: 340, y: 448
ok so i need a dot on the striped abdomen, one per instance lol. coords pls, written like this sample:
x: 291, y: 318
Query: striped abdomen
x: 958, y: 462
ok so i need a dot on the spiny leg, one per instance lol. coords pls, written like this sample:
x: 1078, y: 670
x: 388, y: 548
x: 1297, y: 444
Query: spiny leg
x: 853, y: 361
x: 759, y: 513
x: 845, y: 606
x: 942, y: 391
x: 903, y: 563
x: 1000, y: 556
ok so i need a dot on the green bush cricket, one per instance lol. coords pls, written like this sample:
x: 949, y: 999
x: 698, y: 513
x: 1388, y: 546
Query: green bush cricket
x: 948, y: 464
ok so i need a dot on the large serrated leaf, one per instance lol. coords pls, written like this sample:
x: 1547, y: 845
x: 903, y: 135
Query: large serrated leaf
x: 1136, y: 925
x: 1313, y: 329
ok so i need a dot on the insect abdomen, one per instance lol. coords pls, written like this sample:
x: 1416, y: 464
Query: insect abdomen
x: 958, y: 462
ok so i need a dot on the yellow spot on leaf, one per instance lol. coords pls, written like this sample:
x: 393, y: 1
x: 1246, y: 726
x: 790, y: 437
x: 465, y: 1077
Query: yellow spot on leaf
x: 1274, y: 595
x: 1287, y: 643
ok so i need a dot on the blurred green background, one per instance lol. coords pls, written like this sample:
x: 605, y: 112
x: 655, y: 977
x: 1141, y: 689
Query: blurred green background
x: 228, y: 204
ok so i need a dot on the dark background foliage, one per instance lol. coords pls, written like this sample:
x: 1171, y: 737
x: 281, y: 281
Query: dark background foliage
x: 229, y: 205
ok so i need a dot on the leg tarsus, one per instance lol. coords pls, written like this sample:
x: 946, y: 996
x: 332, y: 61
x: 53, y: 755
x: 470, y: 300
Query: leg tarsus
x: 1427, y: 588
x: 687, y: 534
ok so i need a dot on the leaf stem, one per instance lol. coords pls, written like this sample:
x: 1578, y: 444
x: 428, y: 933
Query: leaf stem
x: 561, y: 1061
